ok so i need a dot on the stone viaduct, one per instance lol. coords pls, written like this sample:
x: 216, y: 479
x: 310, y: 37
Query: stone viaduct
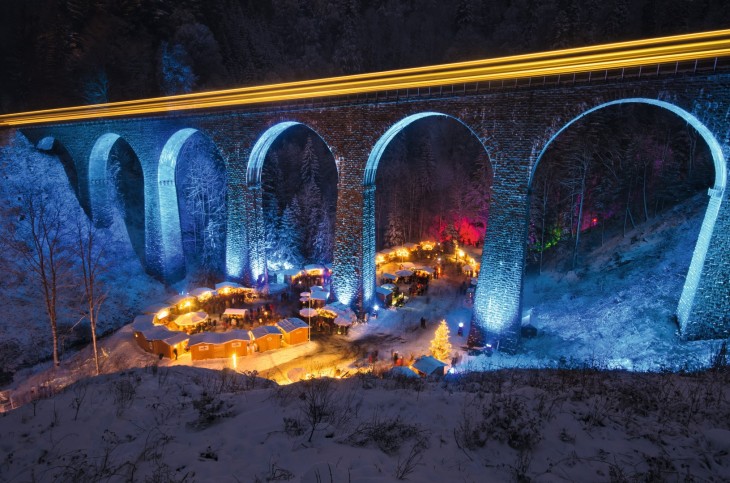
x: 514, y: 121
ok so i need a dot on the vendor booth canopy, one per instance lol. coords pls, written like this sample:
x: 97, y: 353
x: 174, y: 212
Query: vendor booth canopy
x: 428, y: 270
x: 221, y: 285
x: 191, y: 319
x: 342, y: 321
x: 200, y: 291
x: 307, y: 312
x: 404, y: 273
x: 342, y: 311
x: 153, y: 309
x: 389, y: 276
x: 235, y: 312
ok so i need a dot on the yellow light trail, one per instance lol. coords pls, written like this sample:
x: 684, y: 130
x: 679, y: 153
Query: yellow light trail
x: 604, y: 57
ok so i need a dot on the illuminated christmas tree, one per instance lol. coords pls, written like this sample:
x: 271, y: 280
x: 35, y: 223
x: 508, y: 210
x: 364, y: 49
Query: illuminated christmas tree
x: 440, y: 345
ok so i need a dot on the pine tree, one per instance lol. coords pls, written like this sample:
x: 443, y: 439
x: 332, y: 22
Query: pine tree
x: 289, y: 236
x: 324, y: 239
x: 394, y: 233
x: 440, y: 345
x: 310, y: 163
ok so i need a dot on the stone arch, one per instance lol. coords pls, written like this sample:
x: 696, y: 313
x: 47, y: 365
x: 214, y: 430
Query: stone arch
x: 173, y: 255
x: 371, y: 168
x: 131, y: 190
x: 254, y: 168
x: 715, y: 193
x: 99, y: 199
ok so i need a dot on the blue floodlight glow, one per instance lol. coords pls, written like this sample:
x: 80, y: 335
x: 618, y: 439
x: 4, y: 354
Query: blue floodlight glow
x: 261, y: 149
x: 686, y: 300
x: 99, y: 198
x: 173, y: 259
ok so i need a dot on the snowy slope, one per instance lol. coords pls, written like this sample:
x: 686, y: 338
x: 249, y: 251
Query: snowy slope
x: 25, y: 336
x: 188, y: 424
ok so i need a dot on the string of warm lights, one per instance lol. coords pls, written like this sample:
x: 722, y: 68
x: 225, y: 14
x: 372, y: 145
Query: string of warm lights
x: 604, y: 57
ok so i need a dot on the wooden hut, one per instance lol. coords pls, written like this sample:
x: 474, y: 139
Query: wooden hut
x: 157, y: 339
x: 266, y: 337
x: 212, y: 345
x: 384, y: 293
x: 294, y: 330
x: 427, y: 366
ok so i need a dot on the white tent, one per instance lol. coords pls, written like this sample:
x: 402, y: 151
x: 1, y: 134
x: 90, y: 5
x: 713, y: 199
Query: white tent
x: 235, y: 312
x: 320, y: 295
x: 344, y: 313
x: 428, y: 270
x: 307, y: 312
x: 191, y: 319
x: 404, y: 273
x: 343, y: 321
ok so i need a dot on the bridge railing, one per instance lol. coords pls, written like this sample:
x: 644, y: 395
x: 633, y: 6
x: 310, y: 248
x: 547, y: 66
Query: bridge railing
x: 673, y: 69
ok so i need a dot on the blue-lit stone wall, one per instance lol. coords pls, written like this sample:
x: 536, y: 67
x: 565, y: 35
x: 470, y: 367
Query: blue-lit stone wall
x: 514, y: 124
x: 700, y: 304
x: 238, y: 199
x: 99, y: 183
x: 368, y: 243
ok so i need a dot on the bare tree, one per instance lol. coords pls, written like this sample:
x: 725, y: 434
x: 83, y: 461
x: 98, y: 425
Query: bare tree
x: 204, y: 194
x: 90, y: 252
x: 578, y: 166
x: 39, y: 237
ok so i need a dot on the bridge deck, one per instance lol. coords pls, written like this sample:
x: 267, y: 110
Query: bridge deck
x: 660, y: 56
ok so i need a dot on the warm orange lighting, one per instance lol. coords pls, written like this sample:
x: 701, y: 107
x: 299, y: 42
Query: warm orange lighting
x: 618, y: 55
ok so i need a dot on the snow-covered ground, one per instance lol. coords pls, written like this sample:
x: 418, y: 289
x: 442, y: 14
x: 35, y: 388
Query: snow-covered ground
x: 616, y: 310
x: 25, y: 335
x: 191, y: 424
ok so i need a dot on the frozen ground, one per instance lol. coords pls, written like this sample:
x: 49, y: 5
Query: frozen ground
x: 191, y: 424
x: 25, y: 335
x: 615, y: 311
